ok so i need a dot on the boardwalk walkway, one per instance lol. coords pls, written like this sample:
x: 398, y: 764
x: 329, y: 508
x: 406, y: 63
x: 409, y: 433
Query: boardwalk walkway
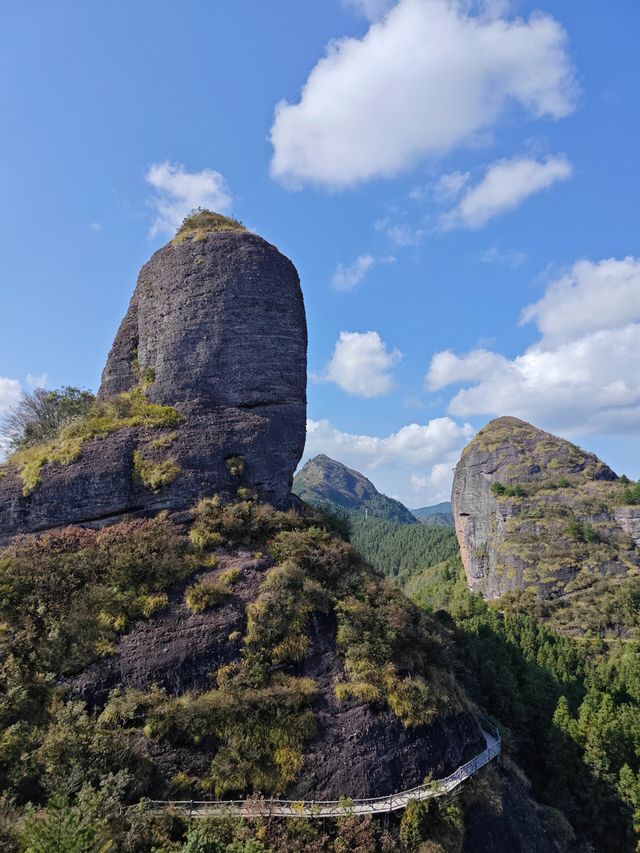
x: 340, y: 808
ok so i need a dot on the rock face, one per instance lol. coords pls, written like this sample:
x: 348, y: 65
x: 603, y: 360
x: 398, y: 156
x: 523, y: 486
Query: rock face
x: 324, y: 481
x: 534, y: 511
x: 359, y: 750
x: 216, y: 327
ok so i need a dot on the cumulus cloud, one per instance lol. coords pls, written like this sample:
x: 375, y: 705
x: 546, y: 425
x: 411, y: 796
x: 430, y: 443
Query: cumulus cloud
x: 427, y: 78
x: 505, y: 186
x: 416, y: 462
x: 591, y: 296
x: 362, y: 365
x: 177, y: 192
x: 582, y: 376
x: 448, y: 368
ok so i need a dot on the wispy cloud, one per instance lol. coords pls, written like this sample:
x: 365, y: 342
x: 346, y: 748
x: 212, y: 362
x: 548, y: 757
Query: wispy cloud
x: 505, y: 185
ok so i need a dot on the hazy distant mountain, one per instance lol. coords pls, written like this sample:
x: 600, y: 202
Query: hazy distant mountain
x: 324, y: 481
x: 435, y: 515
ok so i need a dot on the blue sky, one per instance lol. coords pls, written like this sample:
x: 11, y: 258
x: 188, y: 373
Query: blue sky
x: 457, y: 184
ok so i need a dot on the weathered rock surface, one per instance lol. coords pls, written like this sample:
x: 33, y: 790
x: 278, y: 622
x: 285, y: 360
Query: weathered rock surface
x: 323, y: 480
x: 358, y: 751
x: 218, y: 324
x: 557, y: 524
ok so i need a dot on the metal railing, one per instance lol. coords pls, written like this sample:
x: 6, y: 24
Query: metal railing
x: 339, y: 808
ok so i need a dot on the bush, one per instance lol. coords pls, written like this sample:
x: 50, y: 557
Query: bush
x: 631, y: 494
x: 102, y: 417
x: 38, y: 416
x: 205, y: 594
x: 154, y: 475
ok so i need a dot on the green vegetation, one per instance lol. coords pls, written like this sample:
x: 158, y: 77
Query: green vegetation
x: 66, y: 598
x: 514, y: 491
x: 38, y: 416
x: 401, y: 550
x: 569, y: 707
x: 154, y: 475
x: 202, y: 222
x: 205, y: 593
x: 63, y: 445
x: 631, y: 494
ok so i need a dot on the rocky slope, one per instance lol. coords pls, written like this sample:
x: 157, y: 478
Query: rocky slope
x: 533, y: 511
x: 324, y: 481
x: 204, y: 390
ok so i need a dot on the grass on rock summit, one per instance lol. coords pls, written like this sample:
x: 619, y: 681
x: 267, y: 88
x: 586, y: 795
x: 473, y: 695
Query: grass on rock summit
x: 200, y: 223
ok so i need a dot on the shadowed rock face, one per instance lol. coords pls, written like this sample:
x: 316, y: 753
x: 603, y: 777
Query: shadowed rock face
x: 558, y: 524
x: 219, y: 324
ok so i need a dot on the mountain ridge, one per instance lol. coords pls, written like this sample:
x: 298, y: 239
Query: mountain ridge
x: 325, y: 481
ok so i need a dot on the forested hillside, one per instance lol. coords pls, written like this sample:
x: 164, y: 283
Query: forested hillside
x: 401, y: 550
x: 569, y: 705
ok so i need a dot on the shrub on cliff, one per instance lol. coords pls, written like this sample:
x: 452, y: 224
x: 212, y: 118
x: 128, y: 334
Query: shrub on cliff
x: 39, y: 415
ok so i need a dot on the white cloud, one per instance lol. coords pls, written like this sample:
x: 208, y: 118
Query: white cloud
x: 416, y: 462
x: 401, y: 234
x: 371, y: 9
x: 426, y: 79
x: 448, y: 368
x: 507, y: 258
x: 450, y: 186
x: 10, y: 393
x: 592, y: 296
x: 346, y: 278
x: 582, y: 376
x: 362, y: 365
x: 505, y: 185
x: 178, y: 192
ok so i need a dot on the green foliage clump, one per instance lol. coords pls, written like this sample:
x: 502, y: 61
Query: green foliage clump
x: 631, y: 495
x: 204, y: 594
x: 261, y: 720
x: 38, y: 416
x: 582, y: 531
x: 513, y: 491
x: 64, y: 446
x: 243, y: 523
x: 154, y: 475
x: 202, y: 222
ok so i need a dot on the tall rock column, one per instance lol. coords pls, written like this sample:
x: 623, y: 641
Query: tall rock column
x: 215, y: 329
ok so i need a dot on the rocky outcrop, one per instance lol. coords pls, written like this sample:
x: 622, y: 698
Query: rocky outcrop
x: 216, y: 329
x: 359, y: 750
x: 534, y: 511
x: 324, y: 481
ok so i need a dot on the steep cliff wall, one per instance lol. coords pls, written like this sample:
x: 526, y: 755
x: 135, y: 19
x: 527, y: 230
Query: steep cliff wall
x: 534, y: 511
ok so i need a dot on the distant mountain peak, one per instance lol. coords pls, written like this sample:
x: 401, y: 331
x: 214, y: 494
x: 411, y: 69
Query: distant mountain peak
x: 326, y: 481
